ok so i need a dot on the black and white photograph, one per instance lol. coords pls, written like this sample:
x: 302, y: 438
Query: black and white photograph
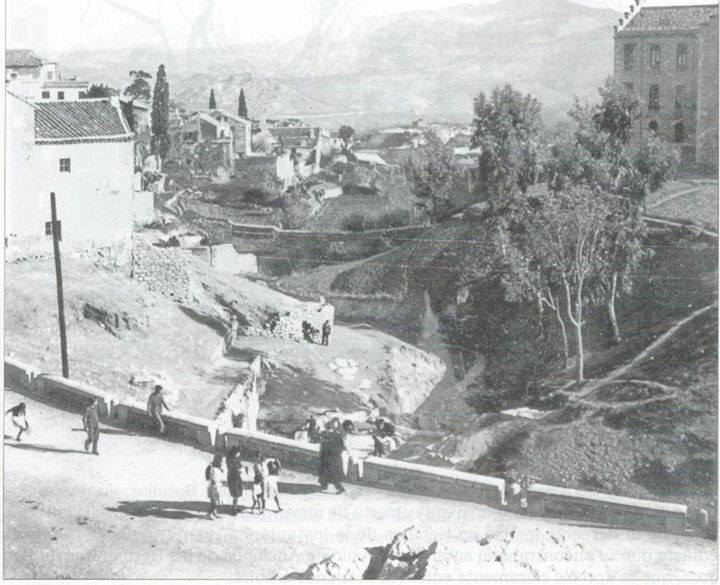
x: 360, y: 289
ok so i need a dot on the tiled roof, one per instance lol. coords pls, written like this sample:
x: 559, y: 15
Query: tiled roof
x: 21, y: 58
x: 79, y: 121
x: 660, y: 18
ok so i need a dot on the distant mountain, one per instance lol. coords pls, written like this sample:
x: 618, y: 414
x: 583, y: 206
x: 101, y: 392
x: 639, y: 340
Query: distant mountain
x: 413, y: 64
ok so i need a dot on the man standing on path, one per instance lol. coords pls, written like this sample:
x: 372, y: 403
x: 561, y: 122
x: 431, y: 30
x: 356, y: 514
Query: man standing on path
x: 231, y: 334
x: 326, y: 329
x: 155, y: 405
x: 91, y: 424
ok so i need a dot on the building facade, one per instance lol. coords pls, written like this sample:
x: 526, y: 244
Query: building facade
x: 34, y: 78
x: 664, y: 54
x: 83, y: 152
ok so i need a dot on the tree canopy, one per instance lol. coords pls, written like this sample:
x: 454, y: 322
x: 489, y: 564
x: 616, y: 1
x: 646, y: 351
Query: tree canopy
x: 139, y: 87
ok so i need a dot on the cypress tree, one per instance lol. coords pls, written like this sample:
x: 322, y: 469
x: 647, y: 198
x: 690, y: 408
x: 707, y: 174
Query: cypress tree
x: 242, y: 106
x: 212, y: 105
x: 160, y: 115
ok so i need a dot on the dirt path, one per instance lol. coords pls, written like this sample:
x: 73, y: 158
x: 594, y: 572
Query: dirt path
x: 593, y: 385
x: 137, y: 511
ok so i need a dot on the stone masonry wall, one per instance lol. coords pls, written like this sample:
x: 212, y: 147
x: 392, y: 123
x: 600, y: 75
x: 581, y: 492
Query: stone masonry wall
x: 163, y: 270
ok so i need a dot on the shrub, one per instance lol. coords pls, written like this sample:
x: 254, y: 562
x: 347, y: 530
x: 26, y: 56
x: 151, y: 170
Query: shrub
x: 394, y: 218
x: 357, y: 222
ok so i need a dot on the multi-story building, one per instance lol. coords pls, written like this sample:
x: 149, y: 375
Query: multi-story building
x: 666, y: 55
x: 35, y: 78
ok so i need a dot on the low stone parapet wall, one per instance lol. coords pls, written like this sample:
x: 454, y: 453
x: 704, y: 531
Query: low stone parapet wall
x: 542, y: 500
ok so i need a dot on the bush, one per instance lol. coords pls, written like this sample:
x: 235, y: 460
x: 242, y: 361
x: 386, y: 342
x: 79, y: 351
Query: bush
x: 394, y: 218
x: 656, y: 161
x: 357, y: 222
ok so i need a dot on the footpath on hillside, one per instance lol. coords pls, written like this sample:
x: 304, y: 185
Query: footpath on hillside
x: 138, y: 511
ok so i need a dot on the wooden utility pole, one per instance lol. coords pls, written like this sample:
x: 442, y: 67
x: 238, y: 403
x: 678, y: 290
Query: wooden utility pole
x: 55, y: 226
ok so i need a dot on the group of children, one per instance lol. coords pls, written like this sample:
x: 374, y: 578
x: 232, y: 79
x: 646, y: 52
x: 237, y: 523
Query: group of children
x: 264, y: 475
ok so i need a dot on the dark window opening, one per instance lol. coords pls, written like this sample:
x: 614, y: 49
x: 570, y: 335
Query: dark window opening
x: 64, y: 165
x: 679, y: 96
x: 46, y: 95
x: 61, y: 95
x: 629, y: 55
x: 682, y: 56
x: 653, y: 125
x: 654, y: 101
x: 654, y: 56
x: 679, y: 132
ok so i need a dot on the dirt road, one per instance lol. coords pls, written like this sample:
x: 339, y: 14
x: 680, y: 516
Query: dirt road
x: 138, y: 511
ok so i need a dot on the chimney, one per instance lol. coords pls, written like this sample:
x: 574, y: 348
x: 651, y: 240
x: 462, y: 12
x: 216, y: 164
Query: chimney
x: 626, y: 14
x: 620, y: 21
x: 632, y: 8
x: 637, y: 2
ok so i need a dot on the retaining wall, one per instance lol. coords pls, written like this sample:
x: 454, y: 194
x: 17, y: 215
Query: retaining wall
x: 542, y: 500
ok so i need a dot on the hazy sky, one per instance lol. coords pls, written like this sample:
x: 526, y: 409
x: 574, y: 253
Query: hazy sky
x: 53, y: 26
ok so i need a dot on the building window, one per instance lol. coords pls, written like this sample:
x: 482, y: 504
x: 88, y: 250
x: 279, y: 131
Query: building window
x: 679, y: 132
x: 49, y: 75
x: 679, y: 96
x: 46, y: 95
x: 61, y: 95
x: 654, y: 101
x: 653, y: 126
x: 629, y: 55
x: 654, y: 56
x: 629, y: 87
x: 682, y: 56
x: 64, y: 165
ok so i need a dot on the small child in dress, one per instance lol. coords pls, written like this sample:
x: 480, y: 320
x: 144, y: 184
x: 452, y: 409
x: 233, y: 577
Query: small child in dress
x: 271, y: 481
x: 258, y: 488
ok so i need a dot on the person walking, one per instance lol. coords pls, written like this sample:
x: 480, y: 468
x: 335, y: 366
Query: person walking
x: 326, y: 330
x: 272, y: 490
x: 91, y: 424
x: 259, y: 475
x: 330, y: 469
x: 214, y: 476
x: 231, y: 334
x: 234, y: 476
x: 19, y: 419
x: 155, y: 406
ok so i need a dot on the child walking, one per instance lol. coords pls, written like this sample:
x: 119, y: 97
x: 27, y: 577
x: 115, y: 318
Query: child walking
x: 19, y: 421
x: 214, y: 476
x: 259, y: 480
x: 271, y: 481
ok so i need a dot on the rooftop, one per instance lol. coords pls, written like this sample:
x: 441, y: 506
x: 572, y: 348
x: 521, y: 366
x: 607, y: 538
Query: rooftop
x: 670, y: 18
x: 79, y: 121
x: 66, y: 83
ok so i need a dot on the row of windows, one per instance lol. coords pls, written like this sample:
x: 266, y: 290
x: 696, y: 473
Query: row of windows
x: 678, y: 130
x: 61, y: 95
x: 681, y: 56
x: 654, y: 97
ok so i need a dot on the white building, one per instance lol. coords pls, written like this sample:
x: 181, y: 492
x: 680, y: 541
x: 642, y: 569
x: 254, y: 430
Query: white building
x: 83, y: 152
x: 34, y: 78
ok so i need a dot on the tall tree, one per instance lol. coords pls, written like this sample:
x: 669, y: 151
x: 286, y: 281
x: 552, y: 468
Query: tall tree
x: 507, y: 126
x: 160, y: 114
x: 99, y: 91
x: 431, y: 176
x: 212, y: 105
x: 346, y: 134
x: 242, y: 106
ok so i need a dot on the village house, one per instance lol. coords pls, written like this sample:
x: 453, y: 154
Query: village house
x: 221, y: 128
x: 667, y: 55
x: 83, y: 152
x: 34, y: 78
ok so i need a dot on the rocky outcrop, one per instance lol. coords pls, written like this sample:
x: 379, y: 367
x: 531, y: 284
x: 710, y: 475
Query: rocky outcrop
x: 527, y: 553
x: 411, y: 375
x: 163, y: 270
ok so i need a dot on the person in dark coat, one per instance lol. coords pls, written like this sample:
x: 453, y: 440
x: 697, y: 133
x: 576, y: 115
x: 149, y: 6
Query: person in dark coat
x: 234, y: 476
x: 326, y: 330
x: 330, y: 471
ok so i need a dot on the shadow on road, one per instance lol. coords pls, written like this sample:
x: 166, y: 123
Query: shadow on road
x: 298, y: 488
x: 163, y: 509
x: 45, y: 448
x: 107, y: 431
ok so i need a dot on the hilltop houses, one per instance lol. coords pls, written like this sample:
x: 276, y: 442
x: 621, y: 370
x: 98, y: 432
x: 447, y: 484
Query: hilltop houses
x: 668, y: 56
x: 34, y: 78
